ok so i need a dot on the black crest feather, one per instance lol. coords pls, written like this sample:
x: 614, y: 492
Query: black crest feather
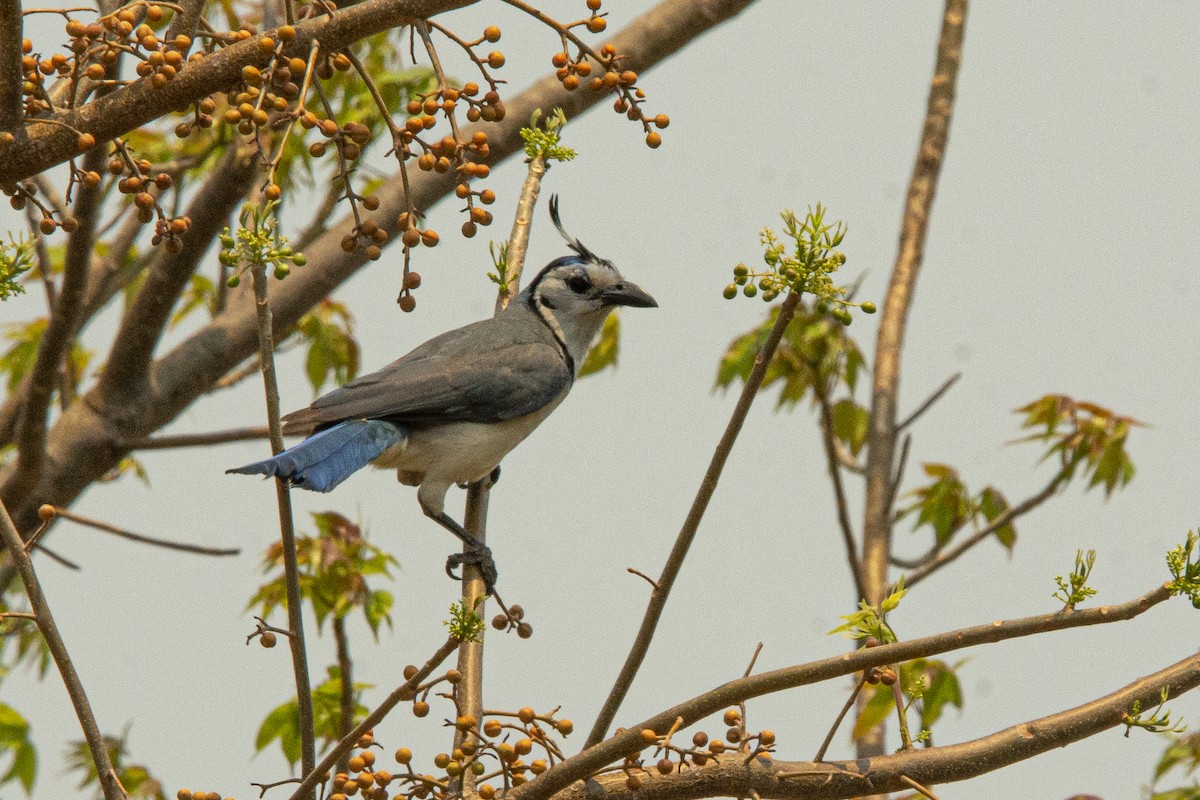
x: 572, y: 242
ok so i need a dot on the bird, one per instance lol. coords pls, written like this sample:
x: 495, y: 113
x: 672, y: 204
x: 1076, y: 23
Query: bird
x: 450, y: 410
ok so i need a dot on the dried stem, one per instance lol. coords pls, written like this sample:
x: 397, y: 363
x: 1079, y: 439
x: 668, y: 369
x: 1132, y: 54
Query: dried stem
x: 291, y: 569
x: 658, y: 598
x: 470, y: 655
x: 58, y: 650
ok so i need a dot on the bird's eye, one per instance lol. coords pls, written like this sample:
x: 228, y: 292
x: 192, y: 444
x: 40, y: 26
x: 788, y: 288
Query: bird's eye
x: 578, y: 284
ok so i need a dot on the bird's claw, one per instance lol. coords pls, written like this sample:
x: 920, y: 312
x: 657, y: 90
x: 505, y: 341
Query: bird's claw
x: 476, y: 555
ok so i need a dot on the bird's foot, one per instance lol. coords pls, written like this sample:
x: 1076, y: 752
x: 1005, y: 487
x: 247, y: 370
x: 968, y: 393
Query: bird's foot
x: 479, y: 556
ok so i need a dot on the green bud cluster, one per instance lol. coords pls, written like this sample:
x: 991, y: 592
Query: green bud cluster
x: 257, y: 241
x: 808, y: 267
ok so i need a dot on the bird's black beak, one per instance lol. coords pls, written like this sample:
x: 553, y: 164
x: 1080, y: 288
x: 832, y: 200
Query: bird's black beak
x: 628, y: 294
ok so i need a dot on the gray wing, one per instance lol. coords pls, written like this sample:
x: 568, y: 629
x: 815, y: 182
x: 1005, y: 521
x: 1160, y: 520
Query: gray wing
x: 489, y: 371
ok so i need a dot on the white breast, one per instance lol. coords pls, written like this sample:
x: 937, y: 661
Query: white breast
x: 460, y: 452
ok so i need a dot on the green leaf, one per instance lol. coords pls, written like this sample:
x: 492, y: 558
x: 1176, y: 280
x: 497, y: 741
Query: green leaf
x: 23, y: 768
x: 875, y: 711
x: 1183, y: 752
x: 850, y: 424
x: 13, y: 726
x: 992, y: 504
x: 604, y: 352
x: 942, y: 689
x: 282, y: 724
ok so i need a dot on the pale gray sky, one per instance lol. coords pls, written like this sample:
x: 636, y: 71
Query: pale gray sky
x: 1061, y: 258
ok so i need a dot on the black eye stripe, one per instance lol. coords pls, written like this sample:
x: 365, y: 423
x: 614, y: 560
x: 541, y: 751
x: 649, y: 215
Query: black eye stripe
x: 578, y: 284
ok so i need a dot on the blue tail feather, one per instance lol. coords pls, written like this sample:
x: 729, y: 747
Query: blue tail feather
x: 328, y: 457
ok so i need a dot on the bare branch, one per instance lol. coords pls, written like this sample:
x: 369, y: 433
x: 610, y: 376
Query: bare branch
x: 54, y: 347
x: 62, y: 659
x: 197, y: 439
x: 803, y: 780
x: 658, y: 598
x: 287, y: 531
x: 595, y: 757
x: 881, y: 437
x: 929, y: 401
x: 137, y: 537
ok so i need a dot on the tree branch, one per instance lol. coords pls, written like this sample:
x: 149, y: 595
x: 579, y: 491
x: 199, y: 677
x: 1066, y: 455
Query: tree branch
x: 287, y: 531
x: 197, y: 439
x: 730, y: 776
x: 12, y: 109
x: 132, y: 351
x: 593, y: 758
x: 882, y: 430
x: 54, y: 347
x: 140, y: 103
x: 15, y: 548
x: 151, y: 540
x: 658, y: 598
x: 929, y: 401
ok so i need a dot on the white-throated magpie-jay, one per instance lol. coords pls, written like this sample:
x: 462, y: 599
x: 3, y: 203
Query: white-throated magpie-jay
x: 450, y: 410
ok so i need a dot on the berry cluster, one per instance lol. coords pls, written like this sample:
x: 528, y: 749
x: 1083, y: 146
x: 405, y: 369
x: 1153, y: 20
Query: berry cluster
x: 514, y: 619
x: 670, y: 757
x: 573, y: 71
x: 807, y: 268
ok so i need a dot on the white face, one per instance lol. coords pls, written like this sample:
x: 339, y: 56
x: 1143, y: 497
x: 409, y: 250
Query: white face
x: 577, y: 294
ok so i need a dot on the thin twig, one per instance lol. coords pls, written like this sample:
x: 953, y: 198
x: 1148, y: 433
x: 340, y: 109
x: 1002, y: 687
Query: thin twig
x: 839, y: 490
x: 641, y: 574
x: 658, y: 599
x: 18, y: 615
x: 753, y: 660
x: 940, y: 560
x: 62, y: 659
x: 287, y: 530
x: 933, y: 398
x: 198, y: 439
x: 399, y: 694
x: 470, y: 655
x: 837, y: 722
x: 60, y: 560
x: 137, y: 537
x: 923, y: 790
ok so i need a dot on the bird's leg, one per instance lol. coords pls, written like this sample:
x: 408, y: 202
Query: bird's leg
x: 476, y: 553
